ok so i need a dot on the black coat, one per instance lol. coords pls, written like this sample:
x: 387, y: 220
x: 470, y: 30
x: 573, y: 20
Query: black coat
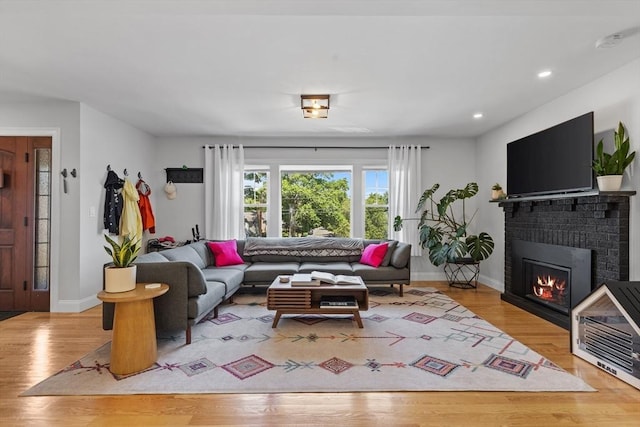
x: 113, y: 202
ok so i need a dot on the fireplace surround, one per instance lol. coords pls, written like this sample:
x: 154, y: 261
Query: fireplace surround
x: 549, y: 280
x: 595, y: 222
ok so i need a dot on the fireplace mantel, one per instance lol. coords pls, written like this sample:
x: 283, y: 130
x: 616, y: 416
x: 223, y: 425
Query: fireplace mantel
x: 564, y: 196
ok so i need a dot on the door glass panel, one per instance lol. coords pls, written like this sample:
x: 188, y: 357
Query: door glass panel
x: 43, y: 219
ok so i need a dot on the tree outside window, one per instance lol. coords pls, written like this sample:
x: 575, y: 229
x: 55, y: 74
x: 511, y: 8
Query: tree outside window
x: 376, y: 204
x: 316, y: 203
x: 256, y: 185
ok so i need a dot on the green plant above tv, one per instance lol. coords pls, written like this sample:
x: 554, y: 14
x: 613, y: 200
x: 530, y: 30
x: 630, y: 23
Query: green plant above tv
x: 614, y: 163
x: 444, y: 229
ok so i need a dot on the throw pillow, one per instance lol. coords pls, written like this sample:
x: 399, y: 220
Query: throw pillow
x: 387, y: 258
x: 225, y: 253
x: 374, y: 254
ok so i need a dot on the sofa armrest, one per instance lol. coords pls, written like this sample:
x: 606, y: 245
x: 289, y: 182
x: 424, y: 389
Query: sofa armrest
x: 171, y: 309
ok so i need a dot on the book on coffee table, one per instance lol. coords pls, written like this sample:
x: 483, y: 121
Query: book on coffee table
x: 304, y: 280
x: 338, y: 301
x: 339, y: 279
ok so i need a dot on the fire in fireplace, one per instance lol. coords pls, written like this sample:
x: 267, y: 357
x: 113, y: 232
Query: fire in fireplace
x: 548, y: 280
x: 548, y: 284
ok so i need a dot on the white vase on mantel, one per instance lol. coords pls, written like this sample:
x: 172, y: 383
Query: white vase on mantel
x: 609, y: 182
x: 119, y: 279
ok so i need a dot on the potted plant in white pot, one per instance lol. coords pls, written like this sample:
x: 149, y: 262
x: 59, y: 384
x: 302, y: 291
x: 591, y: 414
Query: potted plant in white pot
x: 497, y: 192
x: 121, y: 276
x: 609, y: 167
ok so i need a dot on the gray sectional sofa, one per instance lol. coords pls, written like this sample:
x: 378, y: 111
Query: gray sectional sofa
x: 197, y: 286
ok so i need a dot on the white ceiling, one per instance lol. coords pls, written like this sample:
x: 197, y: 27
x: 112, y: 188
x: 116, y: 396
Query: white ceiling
x: 238, y: 67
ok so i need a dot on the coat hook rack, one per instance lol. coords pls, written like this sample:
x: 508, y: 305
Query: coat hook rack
x: 74, y: 173
x: 108, y: 168
x: 139, y: 175
x: 64, y: 180
x: 126, y: 173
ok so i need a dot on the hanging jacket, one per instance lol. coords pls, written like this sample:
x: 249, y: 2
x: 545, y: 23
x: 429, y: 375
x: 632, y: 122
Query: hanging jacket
x: 112, y: 202
x: 131, y: 220
x: 148, y: 220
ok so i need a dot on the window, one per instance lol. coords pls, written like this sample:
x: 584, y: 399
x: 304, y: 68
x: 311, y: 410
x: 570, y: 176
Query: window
x: 256, y: 202
x: 316, y: 202
x: 43, y: 219
x: 376, y: 203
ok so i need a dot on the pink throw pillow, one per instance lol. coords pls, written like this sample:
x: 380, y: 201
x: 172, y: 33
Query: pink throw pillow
x: 374, y: 254
x: 225, y: 253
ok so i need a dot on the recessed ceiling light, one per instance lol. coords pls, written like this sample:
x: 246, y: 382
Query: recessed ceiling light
x: 478, y: 115
x: 544, y: 74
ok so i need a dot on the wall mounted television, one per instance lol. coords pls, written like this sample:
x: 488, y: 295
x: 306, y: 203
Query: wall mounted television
x: 552, y: 161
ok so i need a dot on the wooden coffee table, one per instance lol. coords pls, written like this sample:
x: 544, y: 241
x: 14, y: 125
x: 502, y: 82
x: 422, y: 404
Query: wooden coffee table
x: 133, y: 346
x: 287, y: 299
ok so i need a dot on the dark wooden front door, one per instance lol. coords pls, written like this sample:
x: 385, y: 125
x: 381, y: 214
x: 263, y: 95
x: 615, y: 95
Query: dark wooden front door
x: 20, y: 183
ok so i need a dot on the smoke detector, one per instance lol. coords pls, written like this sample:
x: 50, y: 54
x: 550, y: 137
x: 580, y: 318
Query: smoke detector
x: 609, y: 41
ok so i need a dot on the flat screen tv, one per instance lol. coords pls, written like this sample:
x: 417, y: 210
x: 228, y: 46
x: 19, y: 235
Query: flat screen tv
x: 552, y: 161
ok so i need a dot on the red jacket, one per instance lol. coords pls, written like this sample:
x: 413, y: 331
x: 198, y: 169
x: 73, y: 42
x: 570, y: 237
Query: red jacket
x: 148, y: 220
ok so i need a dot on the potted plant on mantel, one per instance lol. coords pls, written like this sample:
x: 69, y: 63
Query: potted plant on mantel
x: 121, y: 276
x: 444, y: 232
x: 609, y: 168
x: 496, y: 192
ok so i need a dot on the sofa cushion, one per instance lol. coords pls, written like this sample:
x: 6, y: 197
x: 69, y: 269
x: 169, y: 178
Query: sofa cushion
x: 185, y: 253
x: 401, y: 255
x: 261, y: 272
x: 232, y: 278
x: 201, y: 248
x: 329, y: 267
x: 374, y: 254
x: 225, y: 253
x: 197, y: 307
x: 151, y: 257
x: 387, y: 257
x: 390, y: 275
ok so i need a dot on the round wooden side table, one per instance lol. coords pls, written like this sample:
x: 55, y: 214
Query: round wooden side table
x: 133, y: 346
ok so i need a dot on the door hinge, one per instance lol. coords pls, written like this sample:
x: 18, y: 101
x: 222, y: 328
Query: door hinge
x: 24, y: 285
x: 26, y: 221
x: 26, y: 157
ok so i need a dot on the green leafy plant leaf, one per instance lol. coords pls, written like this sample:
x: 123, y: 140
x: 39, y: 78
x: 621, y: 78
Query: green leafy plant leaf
x: 124, y: 253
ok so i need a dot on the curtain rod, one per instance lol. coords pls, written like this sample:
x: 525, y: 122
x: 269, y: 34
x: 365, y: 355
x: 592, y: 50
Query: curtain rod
x: 314, y: 147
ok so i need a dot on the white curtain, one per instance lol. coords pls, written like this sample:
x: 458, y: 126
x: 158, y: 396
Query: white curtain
x: 224, y: 192
x: 404, y: 192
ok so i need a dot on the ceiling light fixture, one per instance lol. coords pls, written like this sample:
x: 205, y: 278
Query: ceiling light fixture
x: 314, y: 106
x: 478, y: 115
x: 544, y: 74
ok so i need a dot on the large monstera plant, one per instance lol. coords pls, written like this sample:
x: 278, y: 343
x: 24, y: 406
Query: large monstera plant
x: 444, y: 228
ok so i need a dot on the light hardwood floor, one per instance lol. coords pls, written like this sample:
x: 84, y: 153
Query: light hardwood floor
x: 34, y: 346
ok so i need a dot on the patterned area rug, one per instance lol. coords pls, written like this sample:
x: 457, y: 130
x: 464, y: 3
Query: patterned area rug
x: 424, y: 341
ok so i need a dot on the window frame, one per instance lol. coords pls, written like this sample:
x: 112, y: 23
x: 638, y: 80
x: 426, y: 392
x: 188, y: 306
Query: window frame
x: 366, y: 169
x: 267, y: 206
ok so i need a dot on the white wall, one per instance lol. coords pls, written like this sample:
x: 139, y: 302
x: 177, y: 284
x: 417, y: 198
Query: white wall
x: 104, y: 141
x: 614, y: 97
x: 451, y: 162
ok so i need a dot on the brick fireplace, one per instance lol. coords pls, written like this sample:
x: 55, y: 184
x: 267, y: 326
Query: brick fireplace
x: 546, y: 229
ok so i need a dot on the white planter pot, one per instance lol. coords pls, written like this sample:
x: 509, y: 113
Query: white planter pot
x: 609, y: 182
x: 119, y: 279
x: 496, y: 194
